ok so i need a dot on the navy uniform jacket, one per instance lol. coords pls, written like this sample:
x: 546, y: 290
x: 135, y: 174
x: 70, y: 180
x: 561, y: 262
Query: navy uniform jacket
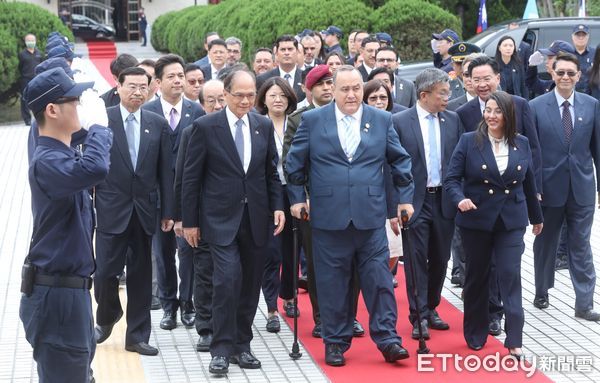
x: 586, y: 60
x: 470, y: 115
x: 535, y: 84
x: 59, y: 178
x: 473, y: 174
x: 568, y: 166
x: 344, y: 191
x: 215, y: 188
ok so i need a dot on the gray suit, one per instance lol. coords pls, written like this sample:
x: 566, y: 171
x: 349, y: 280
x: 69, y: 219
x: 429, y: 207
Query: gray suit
x: 405, y: 93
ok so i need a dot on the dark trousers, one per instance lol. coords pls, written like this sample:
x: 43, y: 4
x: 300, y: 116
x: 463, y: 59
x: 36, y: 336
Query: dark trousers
x: 334, y: 253
x: 495, y: 305
x: 563, y: 247
x: 143, y: 36
x: 237, y: 276
x: 185, y: 253
x: 111, y: 257
x: 430, y: 235
x: 458, y: 255
x: 203, y: 287
x: 579, y: 221
x: 59, y: 325
x: 25, y: 112
x: 504, y: 248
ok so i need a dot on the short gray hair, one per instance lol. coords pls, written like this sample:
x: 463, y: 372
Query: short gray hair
x: 428, y: 78
x: 345, y: 68
x: 234, y: 41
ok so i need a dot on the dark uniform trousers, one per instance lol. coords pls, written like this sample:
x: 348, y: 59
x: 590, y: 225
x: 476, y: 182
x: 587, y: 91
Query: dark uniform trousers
x: 59, y: 324
x: 237, y: 276
x: 503, y: 248
x: 203, y: 286
x: 111, y: 256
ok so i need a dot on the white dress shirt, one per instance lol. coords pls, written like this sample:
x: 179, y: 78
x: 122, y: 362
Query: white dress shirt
x: 560, y: 99
x: 341, y: 129
x: 424, y: 123
x: 279, y: 145
x: 231, y: 120
x: 481, y: 105
x: 138, y: 120
x: 291, y: 73
x: 166, y: 108
x: 502, y: 155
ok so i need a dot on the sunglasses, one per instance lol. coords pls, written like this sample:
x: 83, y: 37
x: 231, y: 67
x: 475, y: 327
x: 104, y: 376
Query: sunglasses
x: 561, y: 73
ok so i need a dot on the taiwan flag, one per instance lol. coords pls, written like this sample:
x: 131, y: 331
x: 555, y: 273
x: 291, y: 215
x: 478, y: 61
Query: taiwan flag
x: 482, y: 19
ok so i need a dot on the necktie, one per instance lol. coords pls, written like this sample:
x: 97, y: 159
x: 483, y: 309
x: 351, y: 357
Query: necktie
x: 173, y: 119
x: 287, y: 78
x: 239, y: 139
x: 567, y: 122
x: 130, y: 134
x: 352, y: 137
x: 434, y: 161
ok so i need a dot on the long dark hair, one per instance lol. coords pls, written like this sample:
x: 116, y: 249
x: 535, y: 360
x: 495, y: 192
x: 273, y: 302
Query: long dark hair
x: 595, y: 69
x: 514, y: 58
x: 261, y: 105
x: 373, y: 86
x: 507, y: 106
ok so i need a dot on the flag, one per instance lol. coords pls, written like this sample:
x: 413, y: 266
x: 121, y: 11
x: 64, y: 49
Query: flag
x: 482, y: 18
x: 581, y: 8
x: 531, y: 10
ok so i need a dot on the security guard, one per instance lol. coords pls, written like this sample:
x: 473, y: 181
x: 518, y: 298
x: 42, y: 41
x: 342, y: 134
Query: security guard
x: 458, y: 52
x: 585, y: 55
x: 56, y: 307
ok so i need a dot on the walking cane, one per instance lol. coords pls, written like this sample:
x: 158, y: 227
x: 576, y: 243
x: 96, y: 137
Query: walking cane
x: 409, y: 259
x: 296, y: 354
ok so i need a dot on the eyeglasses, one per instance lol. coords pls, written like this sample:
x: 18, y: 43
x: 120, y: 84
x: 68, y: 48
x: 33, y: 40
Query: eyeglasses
x: 477, y: 80
x: 562, y: 73
x: 241, y: 96
x: 385, y: 60
x: 444, y: 95
x: 66, y: 100
x: 375, y: 98
x: 194, y: 82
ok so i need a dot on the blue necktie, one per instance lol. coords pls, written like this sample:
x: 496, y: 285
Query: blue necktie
x: 434, y: 161
x: 287, y: 78
x: 130, y: 127
x: 352, y: 137
x: 239, y: 139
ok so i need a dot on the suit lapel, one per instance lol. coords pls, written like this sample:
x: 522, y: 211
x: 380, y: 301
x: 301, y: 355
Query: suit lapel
x: 513, y: 158
x: 553, y: 114
x: 365, y: 135
x: 255, y: 135
x: 145, y: 129
x: 116, y: 122
x: 489, y: 161
x: 331, y: 131
x: 443, y: 138
x: 186, y: 114
x: 224, y: 135
x: 415, y: 126
x: 579, y: 109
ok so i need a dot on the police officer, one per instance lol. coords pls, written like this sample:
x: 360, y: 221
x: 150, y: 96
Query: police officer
x: 536, y: 85
x: 458, y: 52
x: 56, y: 307
x: 585, y: 55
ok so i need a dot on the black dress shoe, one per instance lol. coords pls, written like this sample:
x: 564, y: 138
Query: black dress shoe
x: 424, y: 330
x: 357, y: 329
x: 155, y: 305
x: 561, y: 262
x: 457, y: 280
x: 188, y: 314
x: 142, y: 348
x: 495, y: 328
x: 590, y: 315
x: 517, y: 356
x: 436, y: 323
x: 303, y: 283
x: 204, y: 341
x: 245, y: 360
x: 541, y: 302
x: 169, y: 321
x: 334, y: 355
x: 291, y: 311
x: 219, y: 365
x: 393, y: 352
x: 101, y: 333
x: 474, y: 347
x: 316, y: 332
x: 273, y: 324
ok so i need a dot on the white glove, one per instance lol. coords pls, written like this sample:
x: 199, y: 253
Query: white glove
x: 434, y: 46
x: 91, y: 110
x: 536, y: 58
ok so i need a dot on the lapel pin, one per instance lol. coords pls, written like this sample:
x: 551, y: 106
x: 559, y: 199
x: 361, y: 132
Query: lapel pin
x: 401, y: 86
x: 443, y: 120
x: 256, y: 131
x: 146, y: 131
x: 187, y: 115
x: 579, y: 119
x: 367, y: 127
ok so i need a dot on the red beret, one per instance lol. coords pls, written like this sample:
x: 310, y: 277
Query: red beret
x: 317, y: 74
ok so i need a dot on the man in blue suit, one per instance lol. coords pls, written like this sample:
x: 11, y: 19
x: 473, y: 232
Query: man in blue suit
x: 342, y: 148
x: 568, y: 123
x: 429, y: 134
x: 179, y: 113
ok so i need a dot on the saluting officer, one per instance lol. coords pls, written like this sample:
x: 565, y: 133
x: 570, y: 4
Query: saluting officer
x: 56, y: 307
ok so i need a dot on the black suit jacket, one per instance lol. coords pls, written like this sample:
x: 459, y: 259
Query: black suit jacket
x: 215, y: 188
x: 276, y: 73
x: 456, y: 103
x: 207, y: 71
x: 126, y: 189
x: 470, y: 115
x: 111, y: 97
x: 363, y: 72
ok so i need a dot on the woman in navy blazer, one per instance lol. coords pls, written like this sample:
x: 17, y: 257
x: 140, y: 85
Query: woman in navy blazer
x: 491, y: 181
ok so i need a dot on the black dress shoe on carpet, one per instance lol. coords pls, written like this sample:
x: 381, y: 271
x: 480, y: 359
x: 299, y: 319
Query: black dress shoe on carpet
x: 495, y: 328
x: 303, y: 283
x: 590, y: 315
x: 101, y: 333
x: 204, y: 341
x: 334, y: 355
x: 142, y: 348
x: 357, y: 329
x: 188, y: 314
x: 219, y: 365
x: 155, y: 305
x: 316, y: 332
x: 393, y: 352
x: 169, y: 321
x: 291, y: 311
x: 436, y: 323
x: 518, y: 356
x: 474, y: 346
x: 273, y: 324
x: 541, y: 302
x: 245, y: 360
x: 424, y: 330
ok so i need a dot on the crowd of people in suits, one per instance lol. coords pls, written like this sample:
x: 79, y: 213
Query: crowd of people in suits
x: 212, y: 161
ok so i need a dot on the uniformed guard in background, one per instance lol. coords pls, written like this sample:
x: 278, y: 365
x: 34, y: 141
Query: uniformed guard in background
x: 56, y: 306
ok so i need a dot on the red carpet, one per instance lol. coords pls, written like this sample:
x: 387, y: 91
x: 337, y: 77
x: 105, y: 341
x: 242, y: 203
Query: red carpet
x: 364, y: 362
x: 101, y: 53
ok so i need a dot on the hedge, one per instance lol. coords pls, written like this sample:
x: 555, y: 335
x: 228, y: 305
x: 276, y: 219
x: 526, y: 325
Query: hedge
x: 259, y: 22
x: 19, y: 19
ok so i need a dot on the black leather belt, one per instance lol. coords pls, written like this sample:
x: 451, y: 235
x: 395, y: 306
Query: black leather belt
x: 433, y: 189
x: 68, y: 281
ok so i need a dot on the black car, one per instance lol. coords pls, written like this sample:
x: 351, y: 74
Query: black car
x: 89, y: 29
x: 539, y: 33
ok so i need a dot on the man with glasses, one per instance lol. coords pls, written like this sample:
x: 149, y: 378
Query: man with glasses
x: 569, y: 127
x: 429, y: 134
x: 387, y: 77
x: 194, y: 80
x: 217, y: 54
x: 234, y: 50
x: 403, y: 90
x: 230, y: 190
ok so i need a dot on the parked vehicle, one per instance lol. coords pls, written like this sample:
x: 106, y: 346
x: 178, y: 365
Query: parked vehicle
x: 89, y: 29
